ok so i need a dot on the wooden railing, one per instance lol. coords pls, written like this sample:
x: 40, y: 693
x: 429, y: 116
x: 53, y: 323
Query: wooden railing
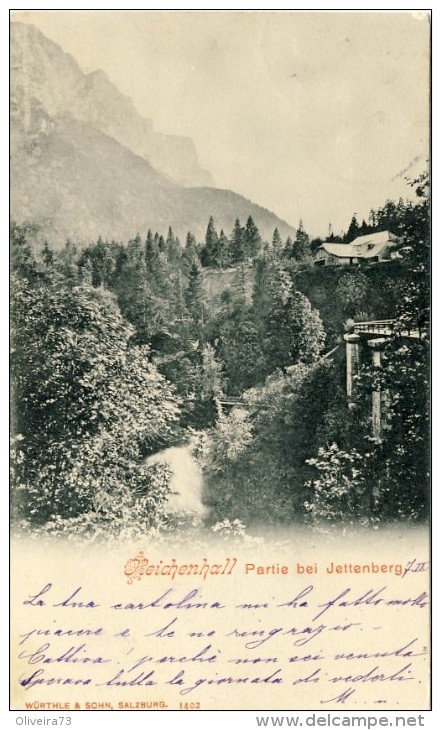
x: 380, y: 327
x: 386, y: 328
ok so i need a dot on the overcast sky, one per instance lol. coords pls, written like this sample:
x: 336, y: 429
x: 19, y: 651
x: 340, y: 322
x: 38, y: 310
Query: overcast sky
x: 313, y: 115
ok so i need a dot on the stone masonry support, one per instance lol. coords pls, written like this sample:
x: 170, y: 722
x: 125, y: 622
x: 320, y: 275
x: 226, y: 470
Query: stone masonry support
x: 377, y: 346
x: 352, y: 360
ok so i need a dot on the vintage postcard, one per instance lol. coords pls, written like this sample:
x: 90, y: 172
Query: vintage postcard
x: 220, y: 320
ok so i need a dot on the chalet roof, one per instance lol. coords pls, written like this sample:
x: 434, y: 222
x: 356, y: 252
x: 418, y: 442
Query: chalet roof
x: 339, y: 249
x: 363, y: 247
x: 379, y: 237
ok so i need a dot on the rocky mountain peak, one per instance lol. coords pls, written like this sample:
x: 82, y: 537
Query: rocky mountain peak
x: 41, y: 71
x: 85, y: 164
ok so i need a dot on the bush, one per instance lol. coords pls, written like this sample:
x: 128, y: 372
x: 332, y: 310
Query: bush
x: 87, y: 408
x: 339, y: 492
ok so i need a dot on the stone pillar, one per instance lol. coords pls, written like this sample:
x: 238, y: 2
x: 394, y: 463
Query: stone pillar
x: 377, y: 346
x: 352, y: 360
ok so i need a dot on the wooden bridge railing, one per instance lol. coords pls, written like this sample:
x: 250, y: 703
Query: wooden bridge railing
x: 385, y: 328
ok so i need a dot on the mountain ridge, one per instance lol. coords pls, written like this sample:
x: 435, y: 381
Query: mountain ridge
x: 73, y: 177
x: 131, y: 197
x: 93, y: 98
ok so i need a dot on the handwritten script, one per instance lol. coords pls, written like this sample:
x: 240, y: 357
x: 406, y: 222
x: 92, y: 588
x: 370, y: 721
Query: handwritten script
x: 339, y: 644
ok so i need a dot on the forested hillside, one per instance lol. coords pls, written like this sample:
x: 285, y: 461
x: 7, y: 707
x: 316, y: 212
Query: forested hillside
x: 120, y: 350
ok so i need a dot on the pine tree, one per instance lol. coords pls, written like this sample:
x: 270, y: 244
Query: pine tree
x: 68, y: 263
x: 223, y: 251
x: 193, y: 293
x: 252, y: 239
x: 134, y: 245
x: 151, y: 250
x: 364, y: 228
x: 353, y: 230
x: 300, y: 247
x: 190, y: 242
x: 173, y: 248
x: 22, y: 258
x: 47, y: 256
x: 237, y: 243
x: 209, y: 251
x: 287, y: 251
x: 161, y: 245
x: 189, y: 254
x: 277, y: 244
x: 155, y: 267
x: 293, y: 329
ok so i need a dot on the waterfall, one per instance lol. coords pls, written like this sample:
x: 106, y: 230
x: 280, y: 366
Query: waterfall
x: 186, y: 481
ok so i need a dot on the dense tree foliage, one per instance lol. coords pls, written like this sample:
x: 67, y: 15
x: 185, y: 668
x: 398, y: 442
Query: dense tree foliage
x: 255, y: 458
x: 120, y: 350
x: 388, y: 477
x: 87, y: 406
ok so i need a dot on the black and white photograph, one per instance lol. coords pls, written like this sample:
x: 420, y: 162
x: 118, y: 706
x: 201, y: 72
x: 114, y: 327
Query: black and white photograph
x: 220, y: 356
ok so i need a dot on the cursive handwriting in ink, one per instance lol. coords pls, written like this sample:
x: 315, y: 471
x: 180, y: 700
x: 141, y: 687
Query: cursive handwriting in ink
x: 180, y: 680
x: 341, y: 698
x: 303, y: 634
x: 70, y: 603
x: 413, y: 566
x: 35, y: 600
x: 200, y: 657
x: 59, y: 633
x: 298, y: 601
x: 74, y: 655
x: 308, y: 632
x: 402, y: 651
x: 251, y: 651
x: 39, y: 678
x: 183, y: 603
x: 263, y: 635
x: 164, y: 633
x: 144, y: 679
x: 373, y: 676
x: 314, y: 677
x: 371, y: 598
